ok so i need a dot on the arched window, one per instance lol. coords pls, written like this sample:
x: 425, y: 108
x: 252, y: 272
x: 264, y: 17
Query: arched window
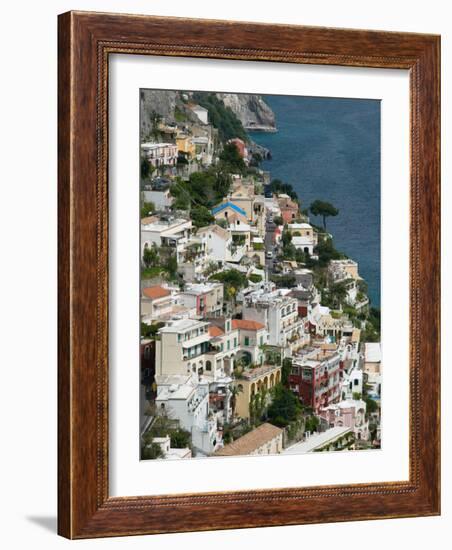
x: 208, y: 365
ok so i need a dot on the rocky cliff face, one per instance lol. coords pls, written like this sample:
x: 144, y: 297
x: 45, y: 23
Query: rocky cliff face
x: 253, y: 112
x: 160, y: 101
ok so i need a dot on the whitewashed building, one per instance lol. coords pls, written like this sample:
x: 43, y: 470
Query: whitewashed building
x: 187, y: 400
x: 279, y: 312
x: 166, y: 231
x: 303, y: 237
x: 160, y: 154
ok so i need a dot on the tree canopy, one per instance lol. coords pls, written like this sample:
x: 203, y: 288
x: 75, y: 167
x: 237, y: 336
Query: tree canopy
x: 324, y: 209
x: 277, y: 186
x: 221, y: 117
x: 231, y: 159
x: 285, y: 406
x: 232, y: 279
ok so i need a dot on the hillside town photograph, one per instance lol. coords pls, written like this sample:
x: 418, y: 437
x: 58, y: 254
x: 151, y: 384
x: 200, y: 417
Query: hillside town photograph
x: 260, y: 274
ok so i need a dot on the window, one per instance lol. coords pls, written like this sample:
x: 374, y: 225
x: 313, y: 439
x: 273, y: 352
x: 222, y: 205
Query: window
x: 261, y: 340
x: 356, y: 382
x: 235, y: 342
x: 307, y: 374
x: 208, y: 365
x: 247, y: 341
x: 229, y: 345
x: 179, y: 337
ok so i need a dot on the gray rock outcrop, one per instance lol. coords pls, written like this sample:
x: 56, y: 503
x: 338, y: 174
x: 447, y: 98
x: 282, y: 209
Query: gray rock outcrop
x: 251, y: 109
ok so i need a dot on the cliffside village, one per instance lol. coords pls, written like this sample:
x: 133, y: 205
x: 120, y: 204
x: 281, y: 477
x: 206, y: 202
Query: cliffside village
x: 256, y: 334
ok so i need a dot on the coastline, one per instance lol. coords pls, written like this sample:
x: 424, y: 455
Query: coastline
x: 324, y: 149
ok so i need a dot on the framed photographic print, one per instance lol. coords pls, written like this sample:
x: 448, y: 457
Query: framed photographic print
x: 248, y: 275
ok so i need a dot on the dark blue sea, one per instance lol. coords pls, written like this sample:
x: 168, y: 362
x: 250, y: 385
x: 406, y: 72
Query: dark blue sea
x: 329, y: 149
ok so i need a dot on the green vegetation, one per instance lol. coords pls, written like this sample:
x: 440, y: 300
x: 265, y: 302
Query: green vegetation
x: 157, y: 260
x: 288, y: 249
x: 256, y: 159
x: 201, y: 216
x: 284, y: 408
x: 295, y: 430
x: 272, y: 354
x: 150, y: 331
x: 285, y: 371
x: 151, y: 272
x: 375, y: 318
x: 202, y: 192
x: 151, y: 256
x: 147, y: 208
x: 151, y: 452
x: 258, y: 406
x: 179, y: 115
x: 255, y: 278
x: 277, y: 220
x: 335, y: 295
x: 284, y: 281
x: 324, y: 209
x: 326, y: 252
x: 232, y: 280
x: 371, y: 332
x: 238, y: 240
x: 231, y: 160
x: 180, y: 439
x: 146, y: 170
x: 162, y: 426
x: 311, y: 423
x: 279, y: 187
x: 371, y: 405
x: 221, y: 117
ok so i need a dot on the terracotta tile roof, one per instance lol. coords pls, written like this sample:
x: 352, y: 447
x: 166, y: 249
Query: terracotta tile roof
x: 246, y: 325
x: 251, y: 441
x: 154, y: 292
x: 215, y: 331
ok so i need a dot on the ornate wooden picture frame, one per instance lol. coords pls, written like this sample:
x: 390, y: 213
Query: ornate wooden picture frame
x: 86, y: 41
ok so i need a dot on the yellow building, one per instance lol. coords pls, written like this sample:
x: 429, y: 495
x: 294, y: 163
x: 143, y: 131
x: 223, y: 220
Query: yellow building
x: 185, y: 145
x: 252, y: 381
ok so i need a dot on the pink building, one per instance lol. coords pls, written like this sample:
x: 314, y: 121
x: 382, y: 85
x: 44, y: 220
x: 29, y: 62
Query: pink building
x: 348, y: 414
x: 288, y: 207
